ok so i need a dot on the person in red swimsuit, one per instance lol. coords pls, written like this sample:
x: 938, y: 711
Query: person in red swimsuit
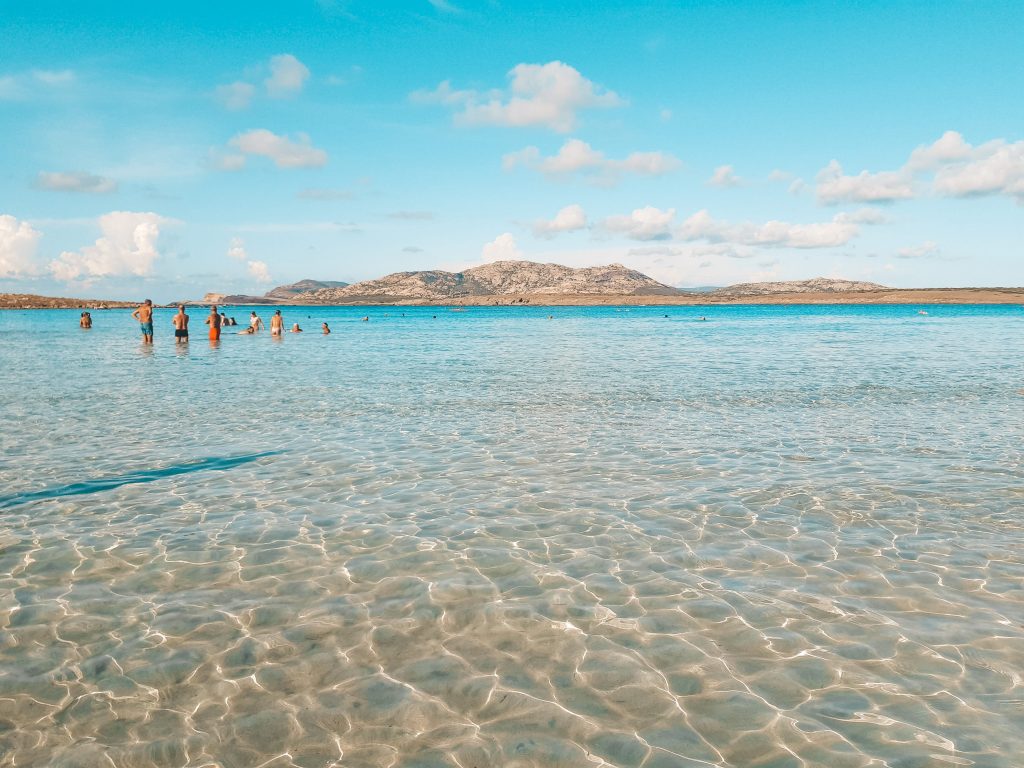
x: 214, y: 322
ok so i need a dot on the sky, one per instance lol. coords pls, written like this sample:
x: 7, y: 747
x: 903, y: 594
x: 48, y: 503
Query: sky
x: 167, y: 150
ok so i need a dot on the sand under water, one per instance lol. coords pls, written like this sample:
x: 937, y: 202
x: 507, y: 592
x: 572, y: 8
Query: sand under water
x: 784, y: 536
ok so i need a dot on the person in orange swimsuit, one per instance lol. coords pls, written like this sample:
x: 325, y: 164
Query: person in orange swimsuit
x: 214, y: 321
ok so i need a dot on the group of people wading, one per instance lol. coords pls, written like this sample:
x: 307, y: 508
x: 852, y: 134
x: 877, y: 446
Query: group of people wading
x: 216, y: 320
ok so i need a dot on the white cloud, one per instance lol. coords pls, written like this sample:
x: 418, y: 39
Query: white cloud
x: 75, y: 181
x: 444, y: 6
x: 578, y: 157
x: 287, y: 76
x: 950, y: 147
x: 236, y: 95
x: 236, y: 249
x: 771, y: 234
x: 285, y: 152
x: 993, y: 168
x: 957, y: 169
x: 26, y: 84
x: 128, y: 246
x: 863, y: 216
x: 258, y: 271
x: 835, y: 187
x: 54, y: 77
x: 569, y: 219
x: 548, y: 95
x: 724, y: 176
x: 647, y: 223
x: 19, y: 242
x: 501, y: 248
x: 922, y: 251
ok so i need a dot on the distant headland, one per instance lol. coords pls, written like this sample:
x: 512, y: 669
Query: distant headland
x: 531, y: 283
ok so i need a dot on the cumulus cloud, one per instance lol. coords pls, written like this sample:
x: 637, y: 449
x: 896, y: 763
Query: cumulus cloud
x: 647, y: 223
x: 836, y: 187
x: 287, y: 76
x: 75, y: 181
x: 578, y: 157
x: 993, y: 168
x: 771, y: 234
x: 570, y: 219
x: 956, y: 168
x: 724, y: 176
x: 501, y: 248
x: 549, y: 95
x: 19, y: 242
x: 258, y: 271
x: 236, y: 95
x: 236, y: 249
x: 285, y: 152
x: 127, y: 246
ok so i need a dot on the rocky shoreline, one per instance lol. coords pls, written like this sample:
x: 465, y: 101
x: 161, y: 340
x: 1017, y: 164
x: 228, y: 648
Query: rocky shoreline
x: 32, y: 301
x: 883, y: 296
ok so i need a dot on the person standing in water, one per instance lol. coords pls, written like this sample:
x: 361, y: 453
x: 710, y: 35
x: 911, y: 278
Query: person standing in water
x: 85, y: 321
x: 276, y: 324
x: 327, y: 329
x: 180, y: 321
x: 144, y: 314
x: 254, y: 321
x: 214, y: 321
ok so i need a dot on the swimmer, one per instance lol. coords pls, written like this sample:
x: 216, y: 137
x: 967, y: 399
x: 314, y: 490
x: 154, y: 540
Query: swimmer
x: 327, y: 329
x: 180, y: 321
x: 250, y: 331
x: 276, y: 324
x: 144, y: 314
x: 366, y: 319
x: 254, y: 321
x: 215, y: 322
x: 921, y: 312
x: 296, y: 329
x: 85, y: 321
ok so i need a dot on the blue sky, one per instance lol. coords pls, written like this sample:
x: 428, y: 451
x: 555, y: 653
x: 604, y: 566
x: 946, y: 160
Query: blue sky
x: 168, y: 150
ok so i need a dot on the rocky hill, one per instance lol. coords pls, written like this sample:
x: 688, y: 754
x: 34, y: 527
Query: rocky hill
x: 303, y: 286
x: 500, y: 279
x: 32, y: 301
x: 814, y: 285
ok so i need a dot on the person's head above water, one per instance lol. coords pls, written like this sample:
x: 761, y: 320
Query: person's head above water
x: 277, y: 312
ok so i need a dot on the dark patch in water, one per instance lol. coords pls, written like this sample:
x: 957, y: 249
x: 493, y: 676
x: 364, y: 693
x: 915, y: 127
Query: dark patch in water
x: 214, y: 463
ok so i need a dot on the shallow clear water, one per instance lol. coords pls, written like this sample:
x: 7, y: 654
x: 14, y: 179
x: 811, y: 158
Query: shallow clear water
x: 786, y: 536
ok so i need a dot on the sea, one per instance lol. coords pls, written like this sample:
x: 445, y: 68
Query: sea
x: 550, y: 537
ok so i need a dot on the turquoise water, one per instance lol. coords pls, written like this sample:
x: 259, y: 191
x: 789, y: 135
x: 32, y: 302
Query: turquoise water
x: 784, y: 536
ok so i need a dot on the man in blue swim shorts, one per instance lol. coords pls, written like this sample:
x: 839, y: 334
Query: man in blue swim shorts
x: 144, y: 314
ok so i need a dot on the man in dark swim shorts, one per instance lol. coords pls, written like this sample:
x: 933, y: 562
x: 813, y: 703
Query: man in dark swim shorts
x: 180, y: 326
